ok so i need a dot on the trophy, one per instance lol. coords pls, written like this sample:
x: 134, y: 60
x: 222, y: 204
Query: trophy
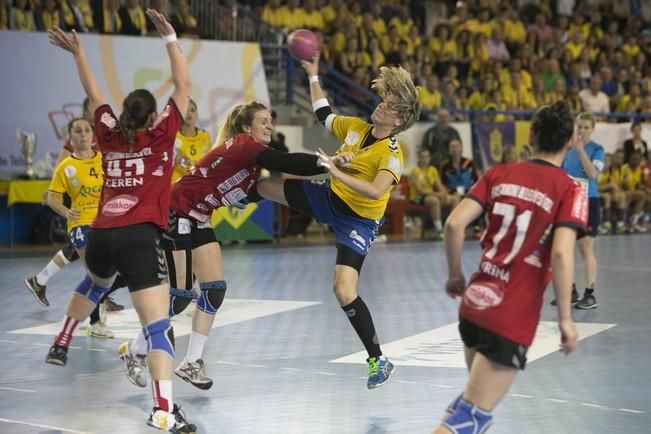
x: 28, y: 149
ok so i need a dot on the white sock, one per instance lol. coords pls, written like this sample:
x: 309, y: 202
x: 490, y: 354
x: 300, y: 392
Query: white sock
x: 195, y: 347
x: 438, y: 227
x: 139, y: 344
x: 50, y: 270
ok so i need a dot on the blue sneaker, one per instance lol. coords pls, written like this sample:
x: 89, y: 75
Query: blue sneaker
x: 379, y: 370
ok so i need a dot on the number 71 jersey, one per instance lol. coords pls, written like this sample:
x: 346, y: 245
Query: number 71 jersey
x: 524, y: 202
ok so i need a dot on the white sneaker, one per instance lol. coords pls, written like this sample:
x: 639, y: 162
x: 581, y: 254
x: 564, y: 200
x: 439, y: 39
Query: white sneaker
x: 100, y: 330
x: 194, y: 373
x: 135, y: 367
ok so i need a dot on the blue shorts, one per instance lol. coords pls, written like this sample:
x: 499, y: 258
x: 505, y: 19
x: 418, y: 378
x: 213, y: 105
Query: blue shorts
x: 357, y: 233
x: 78, y: 236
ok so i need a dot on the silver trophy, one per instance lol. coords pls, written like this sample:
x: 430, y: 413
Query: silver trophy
x: 28, y: 149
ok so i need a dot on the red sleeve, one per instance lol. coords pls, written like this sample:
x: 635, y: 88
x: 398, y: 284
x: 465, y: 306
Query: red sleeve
x: 573, y: 208
x: 169, y: 121
x: 68, y: 146
x: 480, y: 191
x: 106, y: 125
x: 249, y: 149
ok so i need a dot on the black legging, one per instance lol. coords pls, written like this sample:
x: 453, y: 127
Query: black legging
x: 117, y: 284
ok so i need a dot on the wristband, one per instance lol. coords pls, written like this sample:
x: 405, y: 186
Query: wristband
x: 314, y: 79
x: 169, y: 38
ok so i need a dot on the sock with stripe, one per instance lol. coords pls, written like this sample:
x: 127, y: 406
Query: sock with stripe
x: 68, y: 327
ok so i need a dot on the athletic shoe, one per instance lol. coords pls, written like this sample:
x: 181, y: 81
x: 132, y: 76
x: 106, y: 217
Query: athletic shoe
x: 379, y: 371
x: 194, y: 373
x: 620, y: 228
x: 159, y: 419
x: 37, y: 290
x: 58, y: 355
x: 99, y: 330
x: 606, y: 228
x: 111, y: 305
x: 587, y: 302
x: 135, y: 367
x: 575, y: 298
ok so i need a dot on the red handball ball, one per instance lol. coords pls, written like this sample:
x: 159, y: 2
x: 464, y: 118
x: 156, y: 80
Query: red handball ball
x: 302, y: 44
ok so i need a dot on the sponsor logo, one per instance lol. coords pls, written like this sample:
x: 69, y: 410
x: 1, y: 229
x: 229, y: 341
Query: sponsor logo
x: 357, y: 237
x: 495, y: 271
x: 536, y: 197
x: 394, y: 166
x: 144, y: 152
x: 534, y: 259
x: 108, y: 120
x: 580, y: 208
x: 233, y: 181
x: 545, y: 236
x: 94, y: 191
x: 236, y: 198
x: 70, y: 171
x: 216, y: 163
x: 352, y: 138
x: 119, y: 205
x: 482, y: 295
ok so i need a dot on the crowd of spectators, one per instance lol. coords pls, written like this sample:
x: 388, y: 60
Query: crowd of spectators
x: 489, y: 54
x: 123, y: 17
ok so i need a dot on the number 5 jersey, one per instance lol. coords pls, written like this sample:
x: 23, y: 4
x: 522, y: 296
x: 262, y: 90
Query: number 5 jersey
x: 524, y: 203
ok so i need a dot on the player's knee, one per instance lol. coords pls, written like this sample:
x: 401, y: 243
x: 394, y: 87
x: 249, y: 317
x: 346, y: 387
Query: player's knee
x: 211, y: 297
x: 68, y: 254
x: 468, y: 419
x: 180, y: 299
x: 90, y: 290
x: 157, y: 337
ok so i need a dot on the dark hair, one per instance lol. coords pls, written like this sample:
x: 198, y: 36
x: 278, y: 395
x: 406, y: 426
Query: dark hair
x: 85, y: 104
x: 71, y: 124
x: 635, y: 124
x: 136, y: 108
x: 552, y: 126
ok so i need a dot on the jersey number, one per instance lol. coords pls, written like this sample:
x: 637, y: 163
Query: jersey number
x: 193, y: 150
x: 522, y: 221
x: 93, y: 172
x: 115, y: 171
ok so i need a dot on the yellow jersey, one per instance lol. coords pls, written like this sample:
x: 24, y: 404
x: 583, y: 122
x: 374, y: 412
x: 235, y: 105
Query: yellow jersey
x: 422, y: 180
x: 612, y: 175
x: 82, y: 180
x: 383, y: 154
x: 429, y: 100
x: 191, y: 149
x: 631, y: 178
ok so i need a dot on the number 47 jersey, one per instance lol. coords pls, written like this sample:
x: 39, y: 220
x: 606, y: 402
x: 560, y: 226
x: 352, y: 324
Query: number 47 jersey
x: 524, y: 202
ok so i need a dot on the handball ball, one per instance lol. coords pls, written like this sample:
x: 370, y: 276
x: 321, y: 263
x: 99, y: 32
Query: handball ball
x: 302, y: 44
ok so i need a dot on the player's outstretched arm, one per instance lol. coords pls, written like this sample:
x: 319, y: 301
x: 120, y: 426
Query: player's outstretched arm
x: 178, y: 62
x: 562, y: 257
x: 72, y: 44
x: 373, y: 190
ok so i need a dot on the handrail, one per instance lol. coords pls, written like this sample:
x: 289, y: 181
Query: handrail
x: 529, y: 113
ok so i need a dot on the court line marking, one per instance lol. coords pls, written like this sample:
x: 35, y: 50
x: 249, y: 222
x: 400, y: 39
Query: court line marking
x: 38, y: 344
x: 15, y: 389
x: 440, y: 386
x: 38, y: 425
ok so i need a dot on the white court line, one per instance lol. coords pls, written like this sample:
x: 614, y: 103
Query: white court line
x: 519, y: 395
x: 587, y: 404
x: 37, y: 344
x: 15, y: 389
x: 628, y: 410
x: 324, y: 373
x: 562, y: 401
x: 38, y: 425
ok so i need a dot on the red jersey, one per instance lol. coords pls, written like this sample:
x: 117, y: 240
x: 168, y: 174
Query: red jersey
x: 222, y: 177
x: 136, y: 183
x: 524, y: 203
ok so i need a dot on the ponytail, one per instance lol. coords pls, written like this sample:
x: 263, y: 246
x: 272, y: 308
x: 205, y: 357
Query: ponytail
x: 236, y: 119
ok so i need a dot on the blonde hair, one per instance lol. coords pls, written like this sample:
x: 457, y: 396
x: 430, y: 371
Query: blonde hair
x: 396, y: 82
x: 237, y: 118
x: 587, y: 116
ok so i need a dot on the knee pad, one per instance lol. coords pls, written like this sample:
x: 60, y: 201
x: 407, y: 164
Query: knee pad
x: 179, y: 300
x: 157, y: 337
x: 211, y: 297
x: 68, y: 254
x: 90, y: 290
x: 468, y: 419
x: 454, y: 404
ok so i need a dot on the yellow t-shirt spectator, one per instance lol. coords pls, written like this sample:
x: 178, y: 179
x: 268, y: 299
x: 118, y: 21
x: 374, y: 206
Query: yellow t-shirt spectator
x: 313, y: 20
x: 292, y: 19
x: 449, y: 48
x: 429, y: 100
x: 23, y: 20
x: 630, y: 51
x: 520, y: 98
x: 422, y: 181
x: 623, y: 104
x: 514, y: 31
x: 402, y: 26
x: 379, y: 27
x: 50, y: 19
x: 271, y: 16
x: 575, y: 49
x: 631, y: 178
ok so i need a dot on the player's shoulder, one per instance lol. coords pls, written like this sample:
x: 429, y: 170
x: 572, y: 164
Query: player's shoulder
x: 351, y: 122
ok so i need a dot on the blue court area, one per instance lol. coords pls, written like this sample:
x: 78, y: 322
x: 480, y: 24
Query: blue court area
x: 285, y: 359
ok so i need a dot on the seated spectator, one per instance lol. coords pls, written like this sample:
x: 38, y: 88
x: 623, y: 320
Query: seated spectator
x: 514, y: 30
x: 630, y: 48
x: 50, y: 16
x: 4, y: 16
x: 312, y: 19
x: 635, y: 188
x: 375, y: 55
x: 635, y: 143
x: 429, y: 95
x: 479, y: 98
x: 457, y: 172
x: 271, y: 13
x: 557, y: 93
x: 494, y: 102
x: 593, y: 99
x: 291, y: 15
x: 551, y: 72
x: 609, y: 185
x: 452, y: 76
x: 575, y: 78
x: 573, y: 99
x: 111, y: 21
x: 542, y: 29
x: 133, y: 18
x: 425, y: 188
x: 516, y: 95
x: 609, y: 86
x: 449, y: 96
x: 575, y: 45
x: 479, y: 54
x: 400, y: 56
x: 631, y: 101
x: 391, y: 40
x: 379, y: 25
x: 402, y: 22
x: 414, y: 42
x: 78, y: 15
x: 442, y: 46
x: 436, y: 138
x: 497, y: 47
x: 21, y: 17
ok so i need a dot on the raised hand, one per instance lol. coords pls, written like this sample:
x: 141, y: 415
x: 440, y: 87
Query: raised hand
x: 312, y: 68
x: 343, y: 158
x: 160, y: 22
x: 69, y: 42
